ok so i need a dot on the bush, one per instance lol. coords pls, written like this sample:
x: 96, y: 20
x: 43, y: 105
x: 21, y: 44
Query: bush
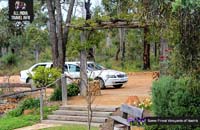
x: 173, y: 98
x: 72, y: 90
x: 9, y: 59
x: 45, y: 76
x: 29, y: 103
x: 162, y: 91
x: 57, y: 94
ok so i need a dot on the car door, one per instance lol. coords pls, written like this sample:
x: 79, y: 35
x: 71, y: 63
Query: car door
x: 73, y: 70
x: 33, y: 68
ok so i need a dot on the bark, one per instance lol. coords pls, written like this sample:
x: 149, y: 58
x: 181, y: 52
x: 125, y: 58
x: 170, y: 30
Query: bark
x: 146, y: 54
x: 66, y: 29
x: 58, y: 36
x: 83, y: 67
x: 91, y: 54
x: 52, y: 31
x: 122, y: 44
x: 155, y: 50
x: 83, y: 55
x: 117, y: 53
x: 61, y: 51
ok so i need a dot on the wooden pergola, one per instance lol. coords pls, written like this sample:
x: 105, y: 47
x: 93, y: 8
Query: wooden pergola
x: 120, y: 23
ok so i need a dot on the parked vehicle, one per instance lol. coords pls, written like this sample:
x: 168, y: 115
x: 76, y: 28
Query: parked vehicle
x: 107, y: 77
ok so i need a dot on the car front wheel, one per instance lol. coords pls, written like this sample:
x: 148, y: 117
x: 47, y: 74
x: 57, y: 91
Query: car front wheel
x: 117, y: 86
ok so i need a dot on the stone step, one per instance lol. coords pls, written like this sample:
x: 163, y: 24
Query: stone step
x: 94, y: 108
x: 76, y: 118
x: 81, y: 113
x: 69, y: 122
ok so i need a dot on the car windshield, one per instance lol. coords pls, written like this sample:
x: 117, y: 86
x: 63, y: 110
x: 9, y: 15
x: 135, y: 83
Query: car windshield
x: 94, y: 66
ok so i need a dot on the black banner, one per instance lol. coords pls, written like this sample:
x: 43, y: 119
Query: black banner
x: 172, y: 121
x: 21, y: 10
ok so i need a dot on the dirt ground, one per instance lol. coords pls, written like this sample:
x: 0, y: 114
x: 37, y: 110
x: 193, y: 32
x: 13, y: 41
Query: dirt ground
x: 139, y: 84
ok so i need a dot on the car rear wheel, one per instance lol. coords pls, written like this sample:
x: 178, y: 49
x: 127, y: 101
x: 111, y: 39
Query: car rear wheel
x: 117, y: 86
x: 101, y: 83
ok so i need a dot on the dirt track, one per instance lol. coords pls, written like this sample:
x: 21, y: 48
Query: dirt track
x: 139, y: 84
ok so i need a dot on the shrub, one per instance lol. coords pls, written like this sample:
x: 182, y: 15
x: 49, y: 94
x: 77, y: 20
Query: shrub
x: 29, y: 103
x: 72, y: 90
x: 57, y: 94
x: 162, y: 91
x: 44, y: 76
x: 9, y: 59
x: 174, y: 98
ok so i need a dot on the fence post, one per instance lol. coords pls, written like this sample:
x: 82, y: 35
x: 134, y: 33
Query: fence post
x: 64, y: 90
x: 41, y: 104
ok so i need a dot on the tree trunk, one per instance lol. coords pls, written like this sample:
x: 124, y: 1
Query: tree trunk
x: 52, y: 31
x: 117, y: 53
x: 91, y: 54
x: 155, y: 50
x: 83, y: 55
x: 83, y: 67
x: 122, y: 45
x: 66, y: 29
x: 59, y: 30
x: 146, y: 54
x: 58, y: 37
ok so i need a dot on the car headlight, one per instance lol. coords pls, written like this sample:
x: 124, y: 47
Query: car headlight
x: 110, y: 76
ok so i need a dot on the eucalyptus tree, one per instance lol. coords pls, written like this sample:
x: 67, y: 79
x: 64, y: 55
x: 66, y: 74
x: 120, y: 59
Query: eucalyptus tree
x: 58, y: 34
x: 186, y: 60
x: 7, y: 30
x: 37, y: 39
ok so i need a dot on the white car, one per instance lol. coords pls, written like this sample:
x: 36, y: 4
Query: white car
x: 107, y: 77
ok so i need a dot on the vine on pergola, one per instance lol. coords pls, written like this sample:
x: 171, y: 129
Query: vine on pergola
x: 92, y: 25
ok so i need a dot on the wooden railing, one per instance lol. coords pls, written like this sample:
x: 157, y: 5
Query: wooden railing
x: 15, y: 94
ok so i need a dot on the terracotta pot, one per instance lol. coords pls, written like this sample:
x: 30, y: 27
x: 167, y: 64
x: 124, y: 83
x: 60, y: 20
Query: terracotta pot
x: 137, y: 128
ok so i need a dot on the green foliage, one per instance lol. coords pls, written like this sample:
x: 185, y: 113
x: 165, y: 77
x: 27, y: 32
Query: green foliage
x: 10, y: 59
x: 162, y: 91
x: 45, y: 76
x: 29, y: 103
x: 16, y: 112
x: 185, y: 60
x: 57, y: 94
x: 72, y: 90
x: 173, y: 98
x: 129, y: 66
x: 11, y: 122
